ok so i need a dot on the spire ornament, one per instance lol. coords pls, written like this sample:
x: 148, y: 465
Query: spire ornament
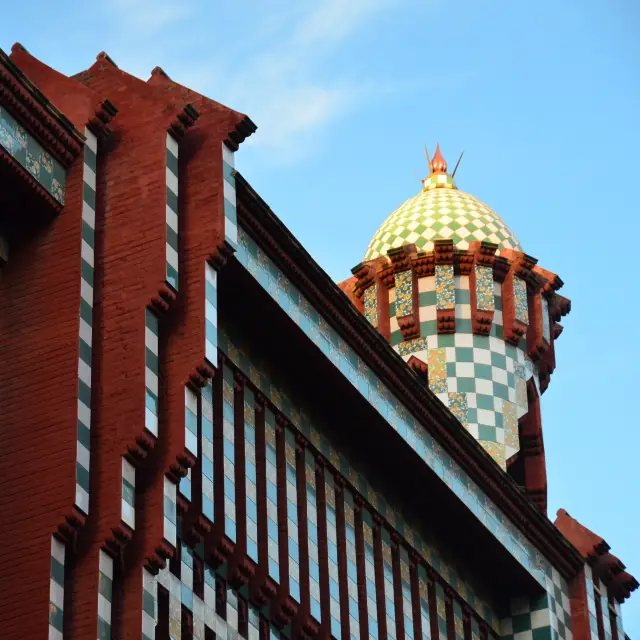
x: 438, y: 177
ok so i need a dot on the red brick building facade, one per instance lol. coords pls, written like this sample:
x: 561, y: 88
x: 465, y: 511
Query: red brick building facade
x: 204, y: 437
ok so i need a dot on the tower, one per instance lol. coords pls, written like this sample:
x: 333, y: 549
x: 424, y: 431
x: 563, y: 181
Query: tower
x: 446, y: 281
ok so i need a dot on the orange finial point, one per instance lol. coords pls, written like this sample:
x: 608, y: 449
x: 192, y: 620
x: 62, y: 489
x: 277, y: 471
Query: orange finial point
x: 438, y: 163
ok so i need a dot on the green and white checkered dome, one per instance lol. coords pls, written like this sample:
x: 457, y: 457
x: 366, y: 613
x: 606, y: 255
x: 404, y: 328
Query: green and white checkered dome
x: 441, y: 212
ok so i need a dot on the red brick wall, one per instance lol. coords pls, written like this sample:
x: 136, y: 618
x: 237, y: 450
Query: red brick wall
x: 39, y: 325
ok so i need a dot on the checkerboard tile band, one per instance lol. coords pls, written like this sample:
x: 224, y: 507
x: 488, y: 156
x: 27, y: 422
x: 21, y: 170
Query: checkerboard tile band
x: 56, y: 589
x: 352, y: 567
x: 230, y: 216
x: 172, y: 212
x: 259, y: 375
x: 292, y: 514
x: 186, y: 576
x: 606, y: 618
x: 211, y: 314
x: 86, y: 321
x: 332, y: 557
x: 228, y: 437
x: 203, y: 611
x: 480, y: 378
x: 151, y: 371
x: 272, y: 494
x: 250, y: 474
x: 185, y: 485
x: 545, y: 616
x: 149, y: 605
x: 105, y: 595
x: 128, y: 508
x: 425, y: 619
x: 170, y: 511
x: 407, y: 599
x: 370, y: 574
x: 207, y: 451
x: 173, y: 585
x: 441, y: 214
x: 441, y: 612
x: 591, y: 603
x: 458, y: 621
x: 312, y: 534
x: 389, y: 591
x: 618, y: 610
x: 191, y: 420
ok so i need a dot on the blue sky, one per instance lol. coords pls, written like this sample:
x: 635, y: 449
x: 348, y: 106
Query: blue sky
x: 543, y: 98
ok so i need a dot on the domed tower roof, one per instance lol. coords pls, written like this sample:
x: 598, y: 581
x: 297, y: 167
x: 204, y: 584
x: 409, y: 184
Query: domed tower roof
x: 440, y: 212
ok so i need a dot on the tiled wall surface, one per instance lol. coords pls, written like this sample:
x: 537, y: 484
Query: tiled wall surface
x: 373, y: 390
x: 259, y: 374
x: 386, y: 582
x: 482, y: 379
x: 172, y: 212
x: 547, y: 616
x: 230, y: 215
x: 30, y: 154
x: 83, y: 457
x: 56, y: 597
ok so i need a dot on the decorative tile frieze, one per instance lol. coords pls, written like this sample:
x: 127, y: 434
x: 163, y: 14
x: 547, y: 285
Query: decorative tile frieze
x: 30, y: 154
x: 410, y: 347
x: 484, y: 288
x: 445, y: 287
x: 371, y: 304
x: 496, y: 450
x: 520, y: 300
x: 404, y: 294
x: 458, y: 406
x: 437, y: 363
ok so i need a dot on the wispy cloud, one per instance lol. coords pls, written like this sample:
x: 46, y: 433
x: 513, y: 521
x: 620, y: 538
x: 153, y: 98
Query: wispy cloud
x: 285, y: 87
x: 272, y: 62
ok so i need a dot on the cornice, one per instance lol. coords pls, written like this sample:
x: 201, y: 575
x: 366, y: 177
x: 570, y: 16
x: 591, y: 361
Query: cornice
x: 326, y: 296
x: 32, y: 109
